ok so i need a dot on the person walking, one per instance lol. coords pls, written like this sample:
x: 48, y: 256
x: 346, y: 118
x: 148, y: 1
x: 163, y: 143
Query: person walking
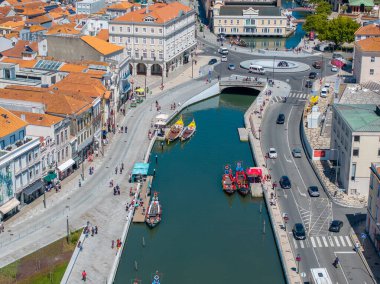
x: 84, y: 275
x: 356, y: 246
x: 336, y: 262
x: 115, y: 170
x: 112, y: 244
x: 96, y: 230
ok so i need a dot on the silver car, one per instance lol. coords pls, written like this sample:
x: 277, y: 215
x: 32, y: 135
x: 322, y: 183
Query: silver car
x: 313, y: 191
x: 296, y: 152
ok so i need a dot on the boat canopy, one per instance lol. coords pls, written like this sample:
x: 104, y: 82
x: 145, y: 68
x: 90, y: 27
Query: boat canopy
x: 255, y: 171
x: 162, y: 116
x: 140, y: 169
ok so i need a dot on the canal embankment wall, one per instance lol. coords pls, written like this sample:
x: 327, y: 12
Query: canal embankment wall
x: 253, y: 119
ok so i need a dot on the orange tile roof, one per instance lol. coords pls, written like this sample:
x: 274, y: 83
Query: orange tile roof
x: 103, y: 34
x: 369, y: 44
x: 63, y: 29
x: 19, y: 48
x: 9, y: 122
x: 68, y: 67
x: 5, y: 10
x: 39, y: 119
x: 20, y: 62
x: 101, y: 46
x: 55, y: 103
x: 17, y: 3
x: 120, y: 6
x: 12, y: 24
x: 36, y: 28
x: 75, y: 18
x: 160, y: 12
x: 12, y: 34
x: 11, y: 18
x: 33, y: 11
x: 371, y: 30
x: 39, y: 20
x: 57, y: 15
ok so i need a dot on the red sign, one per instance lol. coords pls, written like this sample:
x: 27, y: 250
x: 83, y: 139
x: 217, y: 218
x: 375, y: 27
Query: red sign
x: 319, y: 153
x: 311, y: 35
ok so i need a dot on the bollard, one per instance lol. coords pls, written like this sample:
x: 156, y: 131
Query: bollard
x: 263, y: 226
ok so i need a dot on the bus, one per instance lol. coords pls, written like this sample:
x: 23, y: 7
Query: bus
x: 320, y: 276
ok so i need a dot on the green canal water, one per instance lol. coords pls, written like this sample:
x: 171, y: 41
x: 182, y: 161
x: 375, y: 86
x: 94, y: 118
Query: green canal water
x: 205, y: 236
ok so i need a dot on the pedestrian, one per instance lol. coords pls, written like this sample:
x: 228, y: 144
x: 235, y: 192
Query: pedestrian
x: 112, y: 244
x: 357, y: 245
x: 96, y: 230
x: 122, y: 166
x: 126, y: 129
x: 121, y: 170
x: 116, y: 170
x: 79, y: 183
x: 84, y: 275
x: 336, y: 262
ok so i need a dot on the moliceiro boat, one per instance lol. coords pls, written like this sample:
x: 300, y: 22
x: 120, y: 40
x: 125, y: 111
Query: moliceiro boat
x: 156, y: 278
x: 153, y: 214
x: 241, y: 179
x: 188, y: 131
x: 175, y: 130
x: 228, y: 182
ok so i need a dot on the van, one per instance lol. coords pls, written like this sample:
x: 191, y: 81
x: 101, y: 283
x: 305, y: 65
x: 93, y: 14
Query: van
x: 223, y: 50
x: 320, y: 276
x: 256, y: 69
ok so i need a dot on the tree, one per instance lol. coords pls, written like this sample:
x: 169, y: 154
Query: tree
x: 344, y: 8
x: 323, y: 8
x: 339, y: 31
x: 315, y: 23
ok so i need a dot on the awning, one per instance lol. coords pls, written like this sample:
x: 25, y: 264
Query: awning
x: 162, y: 116
x: 51, y: 176
x: 33, y: 187
x: 255, y: 171
x: 160, y: 122
x: 66, y: 165
x: 140, y: 169
x: 11, y: 204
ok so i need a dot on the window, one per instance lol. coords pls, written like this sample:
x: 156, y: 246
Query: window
x: 137, y: 53
x: 371, y: 71
x: 161, y: 54
x: 2, y: 144
x: 67, y: 151
x: 357, y: 138
x: 160, y: 31
x: 21, y: 134
x: 136, y: 40
x: 232, y: 21
x: 372, y: 58
x: 136, y: 30
x: 61, y: 136
x: 144, y: 30
x: 66, y: 134
x: 57, y: 139
x: 152, y: 54
x: 162, y: 41
x: 237, y: 21
x: 112, y: 28
x: 144, y: 40
x: 59, y: 156
x: 129, y: 29
x: 30, y: 174
x: 145, y: 54
x: 129, y: 53
x: 120, y: 39
x: 353, y: 171
x: 152, y: 41
x: 13, y: 139
x: 225, y: 21
x: 30, y: 157
x: 152, y: 30
x: 121, y: 29
x: 355, y: 152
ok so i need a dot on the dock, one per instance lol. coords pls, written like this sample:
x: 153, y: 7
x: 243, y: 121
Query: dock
x: 243, y: 134
x: 139, y: 216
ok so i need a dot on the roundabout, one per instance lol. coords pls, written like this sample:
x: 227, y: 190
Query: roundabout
x: 276, y: 65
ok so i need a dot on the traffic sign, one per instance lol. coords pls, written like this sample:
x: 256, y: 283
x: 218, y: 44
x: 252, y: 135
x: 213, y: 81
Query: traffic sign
x: 363, y: 236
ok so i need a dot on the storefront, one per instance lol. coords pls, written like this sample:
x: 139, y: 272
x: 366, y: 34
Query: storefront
x: 65, y: 169
x: 9, y: 208
x: 50, y: 180
x: 33, y: 191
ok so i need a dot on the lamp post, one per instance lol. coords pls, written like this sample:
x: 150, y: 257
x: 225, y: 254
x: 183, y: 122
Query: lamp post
x: 298, y: 259
x: 274, y: 60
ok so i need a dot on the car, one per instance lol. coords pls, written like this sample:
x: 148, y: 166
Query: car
x: 280, y: 119
x: 299, y: 232
x: 231, y: 67
x: 327, y: 85
x: 285, y: 182
x: 313, y: 75
x: 309, y: 84
x: 317, y: 64
x: 272, y: 153
x: 337, y: 56
x: 334, y: 69
x: 335, y: 226
x: 313, y: 191
x: 296, y: 152
x: 223, y: 50
x: 324, y: 92
x: 224, y: 58
x: 212, y: 61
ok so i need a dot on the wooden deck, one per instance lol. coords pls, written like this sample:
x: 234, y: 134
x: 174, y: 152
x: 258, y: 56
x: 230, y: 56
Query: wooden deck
x: 243, y: 134
x: 139, y: 216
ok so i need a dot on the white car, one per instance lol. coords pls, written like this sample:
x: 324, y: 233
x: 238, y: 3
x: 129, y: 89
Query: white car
x: 324, y: 92
x: 334, y: 69
x: 224, y: 58
x: 272, y: 153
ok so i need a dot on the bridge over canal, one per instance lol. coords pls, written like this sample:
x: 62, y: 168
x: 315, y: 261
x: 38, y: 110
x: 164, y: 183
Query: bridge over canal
x: 241, y: 82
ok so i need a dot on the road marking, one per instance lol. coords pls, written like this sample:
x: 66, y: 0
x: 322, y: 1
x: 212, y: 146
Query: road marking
x: 302, y: 194
x: 295, y: 244
x: 325, y: 242
x: 319, y: 242
x: 336, y: 241
x: 348, y: 241
x: 330, y: 241
x: 312, y: 241
x: 345, y: 252
x: 302, y: 244
x: 289, y: 161
x: 342, y: 240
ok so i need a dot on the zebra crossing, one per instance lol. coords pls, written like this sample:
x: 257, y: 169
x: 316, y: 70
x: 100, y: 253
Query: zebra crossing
x: 323, y: 241
x: 277, y: 99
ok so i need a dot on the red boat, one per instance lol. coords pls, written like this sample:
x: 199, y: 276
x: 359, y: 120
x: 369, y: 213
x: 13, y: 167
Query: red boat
x: 241, y: 180
x: 228, y: 180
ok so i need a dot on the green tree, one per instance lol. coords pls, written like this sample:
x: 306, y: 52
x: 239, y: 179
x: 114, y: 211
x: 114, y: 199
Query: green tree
x: 323, y: 8
x: 339, y: 31
x: 315, y: 23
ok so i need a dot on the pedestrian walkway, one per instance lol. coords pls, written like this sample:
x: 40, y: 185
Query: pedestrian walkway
x: 324, y: 241
x: 292, y: 95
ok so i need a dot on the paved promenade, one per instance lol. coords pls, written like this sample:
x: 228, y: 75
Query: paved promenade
x: 253, y: 118
x: 94, y: 202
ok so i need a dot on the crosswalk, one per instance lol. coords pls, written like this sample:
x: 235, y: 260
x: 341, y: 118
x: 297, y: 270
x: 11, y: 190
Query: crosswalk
x: 291, y: 95
x: 323, y: 241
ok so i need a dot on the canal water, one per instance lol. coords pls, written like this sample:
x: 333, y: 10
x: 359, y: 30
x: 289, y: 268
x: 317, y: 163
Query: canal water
x: 205, y: 236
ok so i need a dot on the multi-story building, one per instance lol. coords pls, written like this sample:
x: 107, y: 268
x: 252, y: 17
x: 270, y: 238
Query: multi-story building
x: 250, y: 20
x: 158, y: 38
x: 122, y: 8
x: 372, y: 30
x: 366, y: 65
x: 89, y: 7
x: 373, y: 208
x: 355, y: 143
x: 20, y: 165
x: 92, y: 26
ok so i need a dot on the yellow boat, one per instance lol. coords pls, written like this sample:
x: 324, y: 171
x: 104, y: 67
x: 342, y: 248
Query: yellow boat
x: 175, y: 130
x: 188, y: 131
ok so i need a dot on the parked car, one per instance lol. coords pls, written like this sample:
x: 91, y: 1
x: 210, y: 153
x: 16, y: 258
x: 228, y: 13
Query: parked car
x: 309, y: 84
x: 281, y: 118
x: 324, y: 92
x: 299, y: 232
x: 231, y: 67
x: 224, y: 58
x: 317, y: 64
x: 335, y: 226
x: 285, y: 182
x: 313, y: 191
x: 212, y: 61
x: 312, y: 75
x: 334, y: 69
x: 337, y: 56
x: 272, y: 153
x: 296, y: 152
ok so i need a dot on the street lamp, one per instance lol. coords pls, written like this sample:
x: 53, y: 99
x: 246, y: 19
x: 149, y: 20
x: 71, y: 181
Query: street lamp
x: 274, y: 60
x: 298, y: 259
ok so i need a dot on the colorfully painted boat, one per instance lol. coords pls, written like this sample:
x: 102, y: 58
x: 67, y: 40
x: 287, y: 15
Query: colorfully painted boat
x: 241, y: 179
x: 156, y: 278
x: 153, y: 214
x: 228, y: 182
x: 175, y: 130
x: 188, y: 131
